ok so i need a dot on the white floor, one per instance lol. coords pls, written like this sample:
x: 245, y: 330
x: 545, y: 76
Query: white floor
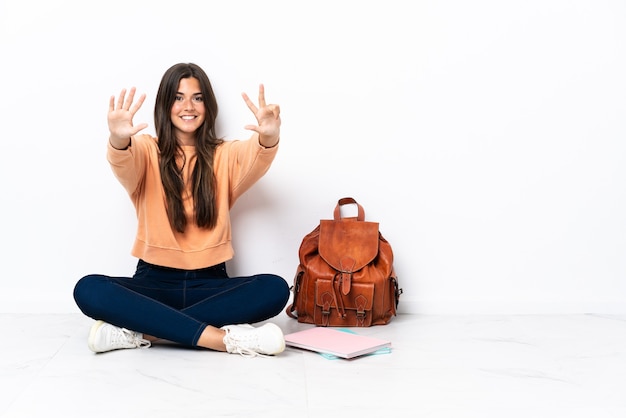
x: 440, y: 366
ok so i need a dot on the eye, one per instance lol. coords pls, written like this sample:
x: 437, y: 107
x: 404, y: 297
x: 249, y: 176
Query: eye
x: 198, y: 99
x: 179, y: 98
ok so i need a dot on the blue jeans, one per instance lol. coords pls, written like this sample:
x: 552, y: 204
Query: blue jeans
x: 177, y: 305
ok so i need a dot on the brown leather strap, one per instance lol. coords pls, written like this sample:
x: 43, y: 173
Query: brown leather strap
x: 347, y: 201
x: 341, y: 309
x: 289, y: 311
x: 297, y: 282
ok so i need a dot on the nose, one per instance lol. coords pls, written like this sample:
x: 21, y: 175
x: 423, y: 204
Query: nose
x: 188, y: 104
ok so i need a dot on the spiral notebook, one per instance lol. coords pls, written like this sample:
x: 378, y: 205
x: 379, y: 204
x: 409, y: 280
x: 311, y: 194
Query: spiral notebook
x: 338, y: 343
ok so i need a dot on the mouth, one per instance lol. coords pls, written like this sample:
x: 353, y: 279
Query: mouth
x: 188, y: 117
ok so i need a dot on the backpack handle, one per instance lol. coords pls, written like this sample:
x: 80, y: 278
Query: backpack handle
x: 347, y: 201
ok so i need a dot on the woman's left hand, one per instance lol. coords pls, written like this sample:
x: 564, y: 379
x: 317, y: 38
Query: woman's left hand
x: 268, y: 118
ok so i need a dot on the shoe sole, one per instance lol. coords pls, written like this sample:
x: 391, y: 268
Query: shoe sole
x: 92, y: 335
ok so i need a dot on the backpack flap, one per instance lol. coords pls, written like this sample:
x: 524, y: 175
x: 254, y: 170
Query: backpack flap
x: 348, y: 246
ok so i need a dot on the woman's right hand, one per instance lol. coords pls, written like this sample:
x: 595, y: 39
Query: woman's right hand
x: 120, y: 118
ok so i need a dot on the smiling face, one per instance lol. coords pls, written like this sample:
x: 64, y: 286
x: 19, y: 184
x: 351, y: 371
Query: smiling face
x: 188, y: 111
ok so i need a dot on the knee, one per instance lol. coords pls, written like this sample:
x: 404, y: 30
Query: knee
x: 86, y: 292
x: 82, y: 287
x: 280, y: 288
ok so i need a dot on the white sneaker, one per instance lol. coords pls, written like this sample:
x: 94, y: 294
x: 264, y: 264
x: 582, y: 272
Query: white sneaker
x: 249, y: 341
x: 106, y: 337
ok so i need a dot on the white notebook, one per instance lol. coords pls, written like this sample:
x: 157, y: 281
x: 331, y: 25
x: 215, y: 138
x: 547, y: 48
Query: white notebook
x: 338, y: 343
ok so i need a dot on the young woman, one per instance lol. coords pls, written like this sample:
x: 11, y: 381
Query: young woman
x: 183, y: 184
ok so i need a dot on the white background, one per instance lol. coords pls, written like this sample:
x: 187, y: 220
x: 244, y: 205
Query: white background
x: 486, y: 137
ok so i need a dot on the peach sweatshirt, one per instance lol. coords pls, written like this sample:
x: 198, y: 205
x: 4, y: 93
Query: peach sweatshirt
x: 238, y: 165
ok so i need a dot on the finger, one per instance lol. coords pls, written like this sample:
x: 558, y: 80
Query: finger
x: 139, y: 128
x: 251, y: 105
x: 135, y: 107
x: 129, y: 100
x: 261, y: 95
x: 276, y: 111
x: 112, y: 103
x: 120, y: 100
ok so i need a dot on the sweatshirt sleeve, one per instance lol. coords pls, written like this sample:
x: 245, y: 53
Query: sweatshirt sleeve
x: 129, y: 165
x: 248, y: 161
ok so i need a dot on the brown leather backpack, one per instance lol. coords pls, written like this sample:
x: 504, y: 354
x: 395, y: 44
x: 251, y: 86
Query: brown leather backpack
x: 345, y: 277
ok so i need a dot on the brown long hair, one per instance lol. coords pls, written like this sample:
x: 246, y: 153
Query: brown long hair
x: 203, y: 177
